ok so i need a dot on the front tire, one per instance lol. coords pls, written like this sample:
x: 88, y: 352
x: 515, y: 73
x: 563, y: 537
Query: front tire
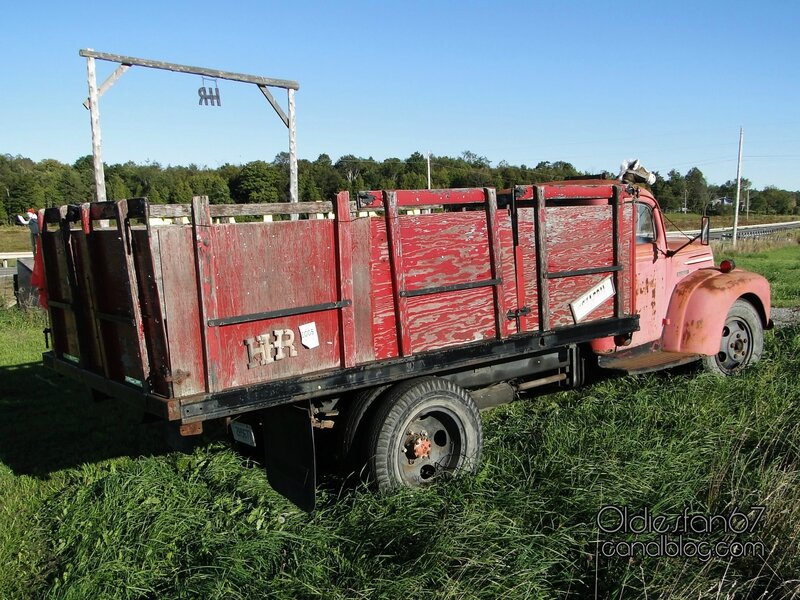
x: 424, y: 428
x: 741, y: 342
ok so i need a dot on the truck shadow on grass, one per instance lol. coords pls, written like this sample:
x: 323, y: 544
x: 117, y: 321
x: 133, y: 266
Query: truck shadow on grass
x: 50, y: 423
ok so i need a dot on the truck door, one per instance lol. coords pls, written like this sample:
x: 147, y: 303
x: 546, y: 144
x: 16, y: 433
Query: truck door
x: 650, y: 288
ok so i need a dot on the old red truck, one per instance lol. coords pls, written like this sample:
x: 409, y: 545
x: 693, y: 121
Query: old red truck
x: 389, y: 318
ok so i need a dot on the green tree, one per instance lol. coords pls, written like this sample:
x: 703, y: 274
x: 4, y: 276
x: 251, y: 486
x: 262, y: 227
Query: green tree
x: 257, y: 182
x: 116, y: 188
x: 772, y: 200
x: 670, y: 191
x: 696, y: 190
x: 212, y: 185
x: 181, y: 193
x: 72, y: 188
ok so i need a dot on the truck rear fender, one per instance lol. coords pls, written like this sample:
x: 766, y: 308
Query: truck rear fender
x: 699, y: 306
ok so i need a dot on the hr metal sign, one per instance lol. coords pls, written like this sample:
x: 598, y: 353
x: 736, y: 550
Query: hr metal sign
x: 209, y: 96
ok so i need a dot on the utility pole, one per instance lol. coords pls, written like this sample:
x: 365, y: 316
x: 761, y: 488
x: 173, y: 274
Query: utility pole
x: 738, y: 186
x: 747, y: 205
x: 429, y: 169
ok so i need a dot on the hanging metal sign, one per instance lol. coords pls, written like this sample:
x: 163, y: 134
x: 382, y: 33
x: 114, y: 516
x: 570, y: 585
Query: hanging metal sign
x: 209, y: 96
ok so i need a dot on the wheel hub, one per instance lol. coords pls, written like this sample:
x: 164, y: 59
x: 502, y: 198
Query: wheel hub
x: 418, y: 445
x: 735, y: 346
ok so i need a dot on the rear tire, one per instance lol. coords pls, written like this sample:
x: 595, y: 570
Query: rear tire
x: 741, y: 342
x: 351, y: 448
x: 424, y: 429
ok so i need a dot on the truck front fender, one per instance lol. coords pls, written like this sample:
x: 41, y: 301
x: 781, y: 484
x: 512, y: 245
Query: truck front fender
x: 700, y: 304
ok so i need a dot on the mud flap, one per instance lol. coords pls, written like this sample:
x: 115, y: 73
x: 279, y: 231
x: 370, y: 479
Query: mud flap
x: 289, y: 453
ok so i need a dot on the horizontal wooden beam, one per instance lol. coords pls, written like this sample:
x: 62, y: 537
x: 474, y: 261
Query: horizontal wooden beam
x: 173, y: 211
x: 213, y: 73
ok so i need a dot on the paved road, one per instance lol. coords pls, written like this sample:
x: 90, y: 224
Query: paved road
x: 745, y: 231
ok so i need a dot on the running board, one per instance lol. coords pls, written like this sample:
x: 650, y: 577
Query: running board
x: 644, y: 360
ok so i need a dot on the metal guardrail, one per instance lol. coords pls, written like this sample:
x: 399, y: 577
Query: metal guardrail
x: 7, y: 256
x: 745, y: 231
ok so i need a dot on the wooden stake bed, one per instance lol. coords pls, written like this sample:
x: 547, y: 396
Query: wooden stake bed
x: 207, y: 318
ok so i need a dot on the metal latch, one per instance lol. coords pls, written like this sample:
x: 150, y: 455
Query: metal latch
x: 519, y: 312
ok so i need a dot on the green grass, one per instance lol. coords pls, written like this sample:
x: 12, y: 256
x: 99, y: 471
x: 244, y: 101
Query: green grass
x: 93, y: 505
x: 206, y: 525
x: 14, y: 239
x: 780, y: 265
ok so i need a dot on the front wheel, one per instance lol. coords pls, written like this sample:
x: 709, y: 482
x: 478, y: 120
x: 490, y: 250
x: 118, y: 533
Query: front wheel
x: 741, y: 343
x: 423, y: 429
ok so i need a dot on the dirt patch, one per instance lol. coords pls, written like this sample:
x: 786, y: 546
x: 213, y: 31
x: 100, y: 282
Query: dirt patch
x: 786, y: 317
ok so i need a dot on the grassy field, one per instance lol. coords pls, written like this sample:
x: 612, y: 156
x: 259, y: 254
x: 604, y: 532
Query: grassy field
x: 14, y: 239
x: 776, y: 257
x: 93, y: 505
x: 691, y: 221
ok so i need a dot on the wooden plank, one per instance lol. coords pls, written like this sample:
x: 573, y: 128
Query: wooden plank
x: 61, y: 319
x: 542, y: 285
x: 344, y: 263
x: 81, y: 333
x: 110, y: 80
x: 183, y: 322
x: 444, y: 249
x: 381, y: 290
x: 176, y: 211
x: 274, y: 103
x: 132, y: 289
x: 363, y: 311
x: 495, y: 259
x: 83, y: 270
x: 90, y: 288
x: 616, y: 218
x: 151, y: 310
x: 398, y: 272
x: 206, y: 288
x: 424, y: 198
x: 213, y: 73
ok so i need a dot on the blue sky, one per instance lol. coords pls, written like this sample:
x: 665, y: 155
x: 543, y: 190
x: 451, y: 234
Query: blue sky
x: 590, y: 83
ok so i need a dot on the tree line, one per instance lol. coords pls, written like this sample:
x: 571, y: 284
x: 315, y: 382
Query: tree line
x: 25, y: 183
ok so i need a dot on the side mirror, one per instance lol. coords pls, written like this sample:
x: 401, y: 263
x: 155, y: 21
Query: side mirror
x: 705, y: 230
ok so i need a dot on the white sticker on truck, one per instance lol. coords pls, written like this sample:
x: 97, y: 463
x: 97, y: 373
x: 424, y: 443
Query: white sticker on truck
x: 587, y: 302
x: 308, y: 335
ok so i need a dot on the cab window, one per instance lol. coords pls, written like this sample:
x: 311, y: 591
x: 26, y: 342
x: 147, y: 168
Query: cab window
x: 645, y: 224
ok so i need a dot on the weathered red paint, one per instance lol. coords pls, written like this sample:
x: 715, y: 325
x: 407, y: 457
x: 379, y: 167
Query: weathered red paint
x: 201, y: 308
x: 700, y: 305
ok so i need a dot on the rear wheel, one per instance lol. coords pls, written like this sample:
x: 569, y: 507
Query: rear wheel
x: 351, y: 449
x: 741, y: 342
x: 424, y: 429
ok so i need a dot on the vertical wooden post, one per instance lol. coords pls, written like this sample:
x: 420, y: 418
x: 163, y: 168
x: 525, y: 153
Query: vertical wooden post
x: 344, y: 262
x: 91, y: 291
x: 398, y: 272
x: 94, y: 113
x: 540, y: 235
x: 206, y: 289
x: 521, y: 321
x: 616, y: 208
x: 293, y: 185
x: 132, y: 284
x: 495, y: 260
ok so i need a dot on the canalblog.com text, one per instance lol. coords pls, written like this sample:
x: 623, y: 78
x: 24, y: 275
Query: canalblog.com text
x: 624, y: 532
